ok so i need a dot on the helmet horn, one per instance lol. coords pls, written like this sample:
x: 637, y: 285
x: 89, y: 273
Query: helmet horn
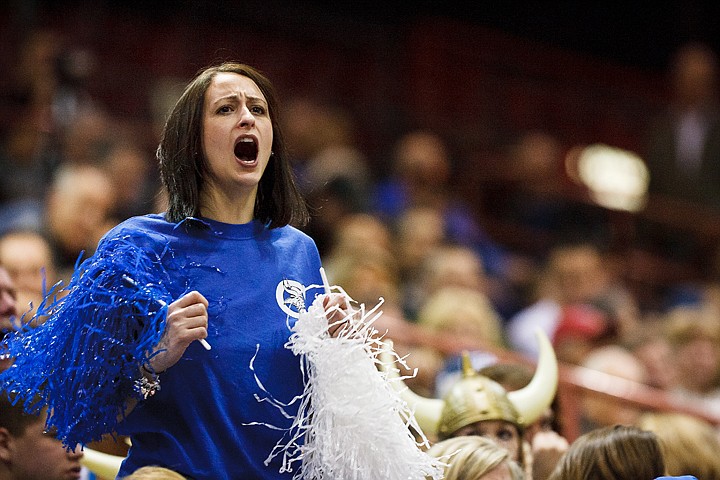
x: 426, y: 410
x: 100, y: 463
x: 529, y: 402
x: 533, y: 399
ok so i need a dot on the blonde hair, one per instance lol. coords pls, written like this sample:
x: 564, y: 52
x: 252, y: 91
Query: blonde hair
x: 685, y: 324
x: 473, y: 456
x: 154, y: 473
x: 690, y: 445
x: 452, y: 265
x: 463, y: 311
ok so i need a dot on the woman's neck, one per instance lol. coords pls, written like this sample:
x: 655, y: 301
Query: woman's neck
x: 219, y: 207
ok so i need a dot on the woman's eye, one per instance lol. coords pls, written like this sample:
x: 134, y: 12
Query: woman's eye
x: 225, y: 109
x: 505, y: 435
x: 258, y: 110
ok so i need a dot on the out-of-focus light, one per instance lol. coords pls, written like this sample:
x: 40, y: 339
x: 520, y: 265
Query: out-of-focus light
x: 616, y: 179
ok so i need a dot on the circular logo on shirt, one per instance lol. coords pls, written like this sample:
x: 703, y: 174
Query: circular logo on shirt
x: 290, y: 297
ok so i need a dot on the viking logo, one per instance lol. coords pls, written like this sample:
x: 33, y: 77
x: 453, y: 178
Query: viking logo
x: 290, y: 297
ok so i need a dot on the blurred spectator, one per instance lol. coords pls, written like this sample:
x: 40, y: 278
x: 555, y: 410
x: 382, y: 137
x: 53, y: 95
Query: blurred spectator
x: 27, y: 257
x: 75, y: 67
x: 356, y: 233
x: 453, y: 265
x: 446, y: 265
x: 598, y: 411
x: 467, y: 315
x: 8, y: 312
x: 616, y: 452
x: 694, y: 336
x: 683, y: 152
x: 477, y: 405
x: 421, y: 178
x: 476, y: 458
x: 331, y: 126
x: 331, y: 169
x: 337, y: 180
x: 360, y: 260
x: 574, y: 274
x: 154, y: 473
x: 134, y: 182
x: 28, y: 452
x: 35, y: 76
x: 542, y: 436
x: 77, y: 213
x: 362, y: 263
x: 581, y: 329
x: 53, y: 106
x: 418, y: 232
x: 690, y: 445
x: 87, y: 139
x: 421, y: 173
x: 650, y: 345
x: 683, y: 158
x: 26, y: 162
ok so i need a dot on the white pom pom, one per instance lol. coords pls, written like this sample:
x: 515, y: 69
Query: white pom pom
x: 354, y: 424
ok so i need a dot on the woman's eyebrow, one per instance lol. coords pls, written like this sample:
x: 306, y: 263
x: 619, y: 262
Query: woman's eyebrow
x: 235, y: 97
x: 232, y: 96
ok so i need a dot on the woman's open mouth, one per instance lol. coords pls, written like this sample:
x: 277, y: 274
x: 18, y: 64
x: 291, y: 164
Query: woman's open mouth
x: 246, y: 150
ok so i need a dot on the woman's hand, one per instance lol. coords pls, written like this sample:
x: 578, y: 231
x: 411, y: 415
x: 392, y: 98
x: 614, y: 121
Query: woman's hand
x: 187, y: 321
x: 547, y: 448
x: 338, y: 311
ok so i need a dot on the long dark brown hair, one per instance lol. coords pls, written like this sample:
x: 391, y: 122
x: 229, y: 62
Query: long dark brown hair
x: 612, y: 453
x: 183, y: 166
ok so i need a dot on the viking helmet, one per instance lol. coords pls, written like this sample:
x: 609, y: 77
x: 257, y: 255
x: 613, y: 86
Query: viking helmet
x: 472, y: 399
x: 475, y: 398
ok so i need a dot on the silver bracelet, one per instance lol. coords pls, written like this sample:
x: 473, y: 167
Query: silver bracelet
x: 147, y: 388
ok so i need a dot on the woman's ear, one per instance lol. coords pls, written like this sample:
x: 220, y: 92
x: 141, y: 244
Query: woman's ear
x: 6, y: 440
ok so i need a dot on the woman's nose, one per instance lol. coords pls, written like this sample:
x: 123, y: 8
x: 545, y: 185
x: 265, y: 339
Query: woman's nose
x: 246, y: 118
x: 7, y: 303
x: 77, y: 454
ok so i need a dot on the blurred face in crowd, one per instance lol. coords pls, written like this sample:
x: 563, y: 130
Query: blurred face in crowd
x: 616, y: 361
x: 28, y: 260
x: 422, y: 159
x: 695, y: 76
x: 579, y: 274
x: 36, y: 455
x: 698, y: 363
x: 458, y: 266
x: 420, y: 231
x: 657, y: 357
x: 501, y: 432
x: 79, y: 208
x: 7, y: 301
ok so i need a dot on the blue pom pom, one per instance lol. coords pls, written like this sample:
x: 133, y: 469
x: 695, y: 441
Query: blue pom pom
x: 83, y: 358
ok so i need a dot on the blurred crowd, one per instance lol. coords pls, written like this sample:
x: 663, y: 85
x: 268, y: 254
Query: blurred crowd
x: 71, y: 170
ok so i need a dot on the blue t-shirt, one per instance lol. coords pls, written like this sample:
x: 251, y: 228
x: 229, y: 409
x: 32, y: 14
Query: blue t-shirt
x: 254, y: 280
